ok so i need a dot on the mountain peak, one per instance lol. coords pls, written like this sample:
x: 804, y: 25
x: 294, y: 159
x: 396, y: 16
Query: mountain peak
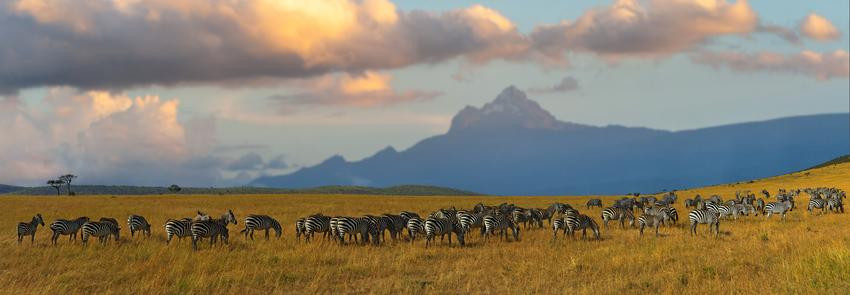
x: 511, y: 108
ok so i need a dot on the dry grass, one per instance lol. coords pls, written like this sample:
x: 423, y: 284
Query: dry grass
x: 806, y: 254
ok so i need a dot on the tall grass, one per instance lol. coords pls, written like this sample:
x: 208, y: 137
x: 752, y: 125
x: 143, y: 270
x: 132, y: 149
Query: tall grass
x: 806, y: 254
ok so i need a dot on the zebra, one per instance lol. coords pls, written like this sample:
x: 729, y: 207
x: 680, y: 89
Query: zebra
x: 704, y: 217
x: 407, y: 215
x: 582, y: 222
x: 778, y: 208
x: 442, y: 226
x: 536, y: 217
x: 28, y: 229
x: 647, y: 220
x: 415, y: 227
x: 110, y: 220
x: 354, y: 226
x: 501, y: 223
x: 558, y: 225
x: 396, y: 224
x: 382, y: 224
x: 672, y: 213
x: 690, y: 203
x: 178, y: 227
x: 618, y: 213
x: 316, y: 223
x: 100, y: 229
x: 835, y: 205
x: 817, y: 203
x: 264, y: 222
x: 140, y: 224
x: 520, y: 215
x: 212, y: 228
x: 469, y: 220
x: 299, y: 228
x: 67, y: 227
x: 594, y: 203
x: 759, y: 206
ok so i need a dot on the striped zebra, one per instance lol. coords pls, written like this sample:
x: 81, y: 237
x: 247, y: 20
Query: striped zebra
x: 354, y: 226
x: 835, y: 205
x: 442, y: 226
x: 759, y: 206
x: 67, y: 227
x: 778, y: 208
x: 110, y: 220
x: 672, y: 213
x: 317, y: 223
x: 382, y: 224
x: 396, y: 224
x: 469, y: 220
x: 647, y: 220
x: 299, y: 228
x: 178, y: 227
x: 100, y: 229
x: 558, y: 225
x: 212, y: 229
x: 415, y: 227
x: 261, y: 222
x: 29, y: 228
x: 817, y: 203
x: 618, y: 213
x: 704, y: 217
x: 581, y: 222
x: 501, y: 223
x: 140, y: 224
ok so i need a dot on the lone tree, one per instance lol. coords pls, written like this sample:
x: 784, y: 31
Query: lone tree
x: 174, y: 188
x: 56, y: 183
x: 67, y: 178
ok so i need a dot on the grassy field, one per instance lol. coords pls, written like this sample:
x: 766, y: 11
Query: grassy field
x: 806, y: 254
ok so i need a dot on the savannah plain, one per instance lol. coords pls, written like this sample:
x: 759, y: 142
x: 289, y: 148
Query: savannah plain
x: 809, y: 253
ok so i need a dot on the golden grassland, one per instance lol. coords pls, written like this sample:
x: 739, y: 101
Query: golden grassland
x: 806, y: 254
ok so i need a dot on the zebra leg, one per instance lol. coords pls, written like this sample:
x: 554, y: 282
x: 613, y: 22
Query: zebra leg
x: 194, y: 243
x: 32, y: 238
x: 252, y: 234
x: 267, y: 234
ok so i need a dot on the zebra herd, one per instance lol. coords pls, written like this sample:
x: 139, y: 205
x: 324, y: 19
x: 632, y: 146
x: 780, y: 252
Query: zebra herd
x: 504, y: 220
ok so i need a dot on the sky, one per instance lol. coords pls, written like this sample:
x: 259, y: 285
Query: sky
x: 218, y: 92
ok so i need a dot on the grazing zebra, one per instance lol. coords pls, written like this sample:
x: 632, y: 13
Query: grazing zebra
x: 212, y: 228
x: 777, y: 208
x: 594, y: 203
x: 178, y: 227
x: 110, y: 220
x: 690, y: 203
x: 704, y: 217
x: 138, y: 223
x: 759, y: 206
x: 672, y: 213
x: 67, y: 227
x: 469, y: 220
x: 396, y: 224
x: 535, y: 217
x: 817, y: 203
x: 263, y: 222
x: 442, y: 226
x: 317, y: 223
x: 100, y: 229
x: 407, y: 215
x: 501, y: 223
x: 618, y: 213
x: 415, y: 227
x: 28, y: 229
x: 558, y: 225
x: 835, y: 205
x: 354, y: 226
x: 382, y: 224
x: 582, y: 222
x: 299, y: 228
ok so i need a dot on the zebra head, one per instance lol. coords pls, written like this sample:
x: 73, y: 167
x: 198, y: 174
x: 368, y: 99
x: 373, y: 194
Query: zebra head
x: 37, y: 219
x: 229, y: 217
x: 202, y: 216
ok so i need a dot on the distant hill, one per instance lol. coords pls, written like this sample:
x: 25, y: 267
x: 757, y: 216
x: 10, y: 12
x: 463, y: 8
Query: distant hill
x: 408, y: 190
x: 511, y: 146
x: 8, y: 188
x: 839, y: 160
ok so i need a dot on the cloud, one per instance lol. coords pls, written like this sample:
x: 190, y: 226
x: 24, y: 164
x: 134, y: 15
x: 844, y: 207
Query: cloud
x: 105, y: 139
x: 249, y: 161
x: 819, y: 28
x: 122, y: 44
x: 631, y: 28
x: 822, y: 66
x: 781, y: 32
x: 565, y: 85
x: 369, y: 89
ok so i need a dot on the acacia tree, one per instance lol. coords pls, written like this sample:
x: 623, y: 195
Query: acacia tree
x: 56, y: 183
x: 67, y: 178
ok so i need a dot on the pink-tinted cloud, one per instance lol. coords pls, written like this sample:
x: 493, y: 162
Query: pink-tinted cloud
x: 823, y: 66
x: 819, y: 28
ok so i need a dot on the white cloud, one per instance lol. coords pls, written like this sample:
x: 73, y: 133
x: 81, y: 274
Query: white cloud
x: 819, y: 28
x: 822, y: 66
x: 565, y: 85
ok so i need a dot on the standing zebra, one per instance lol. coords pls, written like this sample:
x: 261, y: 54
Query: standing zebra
x: 817, y: 203
x: 469, y: 220
x: 382, y: 224
x: 138, y: 223
x: 178, y: 227
x: 100, y: 229
x: 558, y: 225
x: 501, y: 223
x: 264, y: 222
x: 778, y: 208
x: 655, y: 221
x: 316, y: 223
x: 582, y: 222
x: 354, y: 226
x: 67, y: 227
x: 415, y: 227
x: 299, y: 228
x: 212, y: 228
x: 704, y: 217
x: 396, y: 224
x: 28, y: 229
x: 442, y: 226
x: 618, y: 213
